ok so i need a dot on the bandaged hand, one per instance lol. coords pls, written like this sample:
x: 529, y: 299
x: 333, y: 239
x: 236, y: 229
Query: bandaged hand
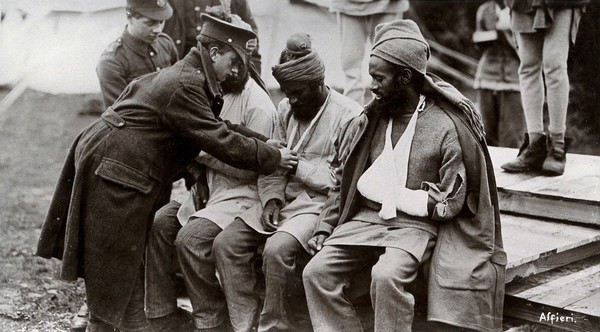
x: 413, y: 202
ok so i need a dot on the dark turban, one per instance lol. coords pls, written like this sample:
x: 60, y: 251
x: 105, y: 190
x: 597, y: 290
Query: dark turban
x: 401, y: 42
x: 299, y: 63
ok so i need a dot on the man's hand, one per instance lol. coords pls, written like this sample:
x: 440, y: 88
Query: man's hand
x: 270, y: 216
x: 315, y: 244
x: 289, y: 159
x: 200, y: 195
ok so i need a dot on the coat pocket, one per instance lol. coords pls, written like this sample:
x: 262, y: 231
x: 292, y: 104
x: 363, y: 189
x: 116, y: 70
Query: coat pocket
x: 125, y: 175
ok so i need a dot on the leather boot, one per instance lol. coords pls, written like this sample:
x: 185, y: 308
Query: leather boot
x: 531, y: 156
x: 554, y: 164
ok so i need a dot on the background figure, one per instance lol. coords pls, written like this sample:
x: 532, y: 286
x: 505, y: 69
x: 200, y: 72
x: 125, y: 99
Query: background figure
x: 141, y: 49
x: 544, y: 31
x: 497, y: 78
x: 186, y: 22
x: 356, y: 23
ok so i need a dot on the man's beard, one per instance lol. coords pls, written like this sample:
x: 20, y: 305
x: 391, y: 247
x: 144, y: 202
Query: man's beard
x: 234, y: 84
x: 306, y: 111
x: 392, y: 101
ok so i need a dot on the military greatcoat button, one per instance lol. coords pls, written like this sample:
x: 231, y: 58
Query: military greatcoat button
x: 133, y: 247
x: 120, y: 124
x: 157, y: 68
x: 151, y: 53
x: 199, y: 28
x: 197, y: 8
x: 178, y: 41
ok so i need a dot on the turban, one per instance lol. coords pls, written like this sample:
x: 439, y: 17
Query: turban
x: 401, y: 42
x: 299, y: 62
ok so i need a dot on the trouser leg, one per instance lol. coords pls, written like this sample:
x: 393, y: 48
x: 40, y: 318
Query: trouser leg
x: 531, y: 80
x: 134, y: 319
x: 279, y: 267
x: 161, y: 262
x: 555, y: 54
x: 392, y: 304
x: 354, y: 35
x: 326, y: 277
x: 489, y: 114
x: 511, y: 122
x: 235, y: 250
x: 194, y: 252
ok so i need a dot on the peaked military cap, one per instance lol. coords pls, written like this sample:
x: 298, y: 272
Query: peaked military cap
x: 159, y: 10
x: 242, y: 40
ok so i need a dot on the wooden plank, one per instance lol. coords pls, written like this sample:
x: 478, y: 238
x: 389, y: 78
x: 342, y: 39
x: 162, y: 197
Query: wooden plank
x: 534, y: 245
x: 565, y: 291
x: 574, y: 196
x: 550, y: 316
x: 551, y: 261
x: 544, y: 206
x: 589, y: 306
x: 517, y: 286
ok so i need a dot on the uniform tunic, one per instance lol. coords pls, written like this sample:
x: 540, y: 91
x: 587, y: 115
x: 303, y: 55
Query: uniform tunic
x: 128, y: 58
x: 117, y: 168
x: 304, y: 193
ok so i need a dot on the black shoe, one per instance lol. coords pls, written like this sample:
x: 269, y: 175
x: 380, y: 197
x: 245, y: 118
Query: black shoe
x: 555, y: 161
x: 531, y: 156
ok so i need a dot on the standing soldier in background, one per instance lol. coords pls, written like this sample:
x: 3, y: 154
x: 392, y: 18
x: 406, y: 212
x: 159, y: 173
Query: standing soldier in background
x: 356, y: 20
x: 544, y: 31
x: 141, y: 49
x: 186, y: 22
x: 497, y: 77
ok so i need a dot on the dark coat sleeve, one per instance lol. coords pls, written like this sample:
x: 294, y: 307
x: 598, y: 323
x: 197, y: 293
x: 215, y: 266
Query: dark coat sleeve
x: 111, y: 75
x: 189, y: 114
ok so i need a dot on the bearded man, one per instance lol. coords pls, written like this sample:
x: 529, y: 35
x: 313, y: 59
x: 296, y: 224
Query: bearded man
x: 309, y: 118
x: 417, y: 184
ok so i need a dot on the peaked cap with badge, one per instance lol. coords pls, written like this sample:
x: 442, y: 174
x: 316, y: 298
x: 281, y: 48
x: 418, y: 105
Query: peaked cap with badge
x: 242, y: 40
x: 159, y: 10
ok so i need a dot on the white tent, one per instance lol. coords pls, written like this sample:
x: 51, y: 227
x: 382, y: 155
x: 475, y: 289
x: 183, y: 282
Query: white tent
x: 53, y: 46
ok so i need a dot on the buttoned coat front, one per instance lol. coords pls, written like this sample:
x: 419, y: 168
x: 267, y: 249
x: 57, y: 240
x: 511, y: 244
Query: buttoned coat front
x: 467, y: 269
x: 103, y: 205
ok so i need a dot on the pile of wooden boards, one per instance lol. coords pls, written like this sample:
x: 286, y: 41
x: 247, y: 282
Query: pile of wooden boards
x: 551, y: 232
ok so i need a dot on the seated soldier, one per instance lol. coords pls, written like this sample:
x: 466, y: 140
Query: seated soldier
x: 417, y: 177
x: 310, y: 116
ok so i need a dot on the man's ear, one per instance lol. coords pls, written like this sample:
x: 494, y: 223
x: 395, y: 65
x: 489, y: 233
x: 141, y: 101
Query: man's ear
x: 405, y: 76
x: 213, y: 51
